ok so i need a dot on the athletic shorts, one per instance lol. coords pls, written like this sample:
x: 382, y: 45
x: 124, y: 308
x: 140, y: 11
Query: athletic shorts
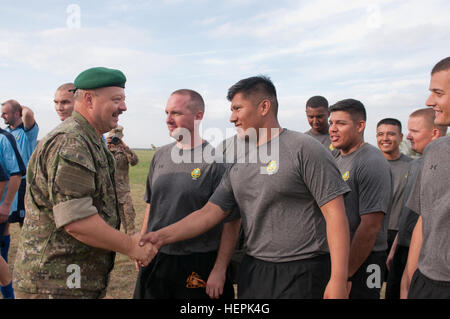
x: 367, y: 281
x: 19, y: 215
x: 300, y: 279
x: 423, y: 287
x: 398, y: 265
x: 2, y: 228
x: 178, y: 277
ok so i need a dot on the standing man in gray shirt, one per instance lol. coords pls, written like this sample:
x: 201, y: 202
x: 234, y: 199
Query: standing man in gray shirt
x: 317, y: 114
x: 181, y: 179
x: 427, y: 273
x: 422, y: 131
x: 368, y: 174
x: 292, y: 206
x: 389, y: 137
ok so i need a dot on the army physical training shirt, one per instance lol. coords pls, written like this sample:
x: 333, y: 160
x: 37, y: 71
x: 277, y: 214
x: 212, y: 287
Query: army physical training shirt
x: 279, y: 194
x: 430, y: 198
x: 369, y: 176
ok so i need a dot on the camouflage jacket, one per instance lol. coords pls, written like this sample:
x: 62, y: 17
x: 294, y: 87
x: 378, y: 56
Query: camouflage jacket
x: 124, y: 157
x: 70, y: 177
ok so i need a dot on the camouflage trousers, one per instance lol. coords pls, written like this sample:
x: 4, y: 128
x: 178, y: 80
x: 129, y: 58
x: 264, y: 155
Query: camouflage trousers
x: 24, y: 295
x: 127, y: 214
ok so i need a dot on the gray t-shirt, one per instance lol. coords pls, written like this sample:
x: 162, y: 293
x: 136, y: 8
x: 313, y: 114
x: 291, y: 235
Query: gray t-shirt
x: 399, y: 169
x: 174, y: 190
x: 408, y: 218
x: 279, y: 198
x: 324, y: 139
x: 369, y: 177
x: 430, y: 198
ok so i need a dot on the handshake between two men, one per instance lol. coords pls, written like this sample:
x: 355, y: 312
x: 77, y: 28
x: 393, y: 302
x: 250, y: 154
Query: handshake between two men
x: 141, y: 252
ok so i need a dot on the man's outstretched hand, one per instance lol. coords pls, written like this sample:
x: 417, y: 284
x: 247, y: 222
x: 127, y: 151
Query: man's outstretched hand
x: 142, y: 254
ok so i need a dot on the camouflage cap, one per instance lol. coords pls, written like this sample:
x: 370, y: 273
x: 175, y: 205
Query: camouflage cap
x: 99, y: 77
x: 118, y: 131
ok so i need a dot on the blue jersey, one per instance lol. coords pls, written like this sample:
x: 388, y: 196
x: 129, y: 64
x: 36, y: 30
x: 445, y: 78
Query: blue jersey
x: 26, y: 140
x: 3, y: 175
x: 10, y: 161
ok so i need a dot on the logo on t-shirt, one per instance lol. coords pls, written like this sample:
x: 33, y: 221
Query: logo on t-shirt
x: 196, y: 173
x: 346, y: 176
x: 272, y: 167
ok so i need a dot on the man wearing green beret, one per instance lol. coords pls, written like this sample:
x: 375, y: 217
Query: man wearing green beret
x: 71, y: 233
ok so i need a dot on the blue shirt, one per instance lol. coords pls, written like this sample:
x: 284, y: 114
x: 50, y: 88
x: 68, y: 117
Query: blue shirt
x: 26, y: 140
x: 10, y: 161
x: 3, y: 175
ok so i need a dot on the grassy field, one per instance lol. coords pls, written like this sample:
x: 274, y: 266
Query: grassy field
x: 123, y: 277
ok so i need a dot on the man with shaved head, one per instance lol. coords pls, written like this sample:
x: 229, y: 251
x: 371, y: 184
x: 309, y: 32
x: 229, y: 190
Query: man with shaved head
x: 188, y: 269
x: 64, y: 100
x: 422, y: 131
x: 427, y: 273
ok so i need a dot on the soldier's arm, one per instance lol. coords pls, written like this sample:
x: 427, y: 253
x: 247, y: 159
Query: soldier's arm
x: 338, y: 237
x: 27, y: 117
x: 191, y: 226
x: 95, y: 232
x: 228, y: 242
x: 146, y: 218
x: 13, y: 186
x: 413, y: 259
x: 5, y: 276
x: 2, y: 187
x: 131, y: 155
x: 364, y: 240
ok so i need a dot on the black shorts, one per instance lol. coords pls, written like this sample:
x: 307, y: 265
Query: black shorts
x: 166, y: 277
x: 300, y: 279
x: 423, y: 287
x: 398, y: 265
x: 19, y: 215
x: 367, y: 281
x: 2, y: 229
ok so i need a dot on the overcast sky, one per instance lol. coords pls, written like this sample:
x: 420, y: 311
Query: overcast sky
x: 380, y: 52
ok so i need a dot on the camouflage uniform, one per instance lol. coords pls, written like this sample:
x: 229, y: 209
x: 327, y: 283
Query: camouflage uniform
x: 124, y: 157
x: 70, y: 177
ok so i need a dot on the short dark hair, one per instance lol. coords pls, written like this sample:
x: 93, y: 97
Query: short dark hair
x: 256, y: 85
x: 196, y: 102
x: 353, y: 107
x: 390, y: 121
x: 317, y: 101
x: 442, y: 65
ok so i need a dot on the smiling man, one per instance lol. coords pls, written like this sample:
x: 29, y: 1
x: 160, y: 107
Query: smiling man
x: 427, y: 273
x: 368, y: 174
x: 422, y: 131
x: 174, y: 189
x: 317, y: 114
x: 71, y: 229
x: 64, y: 100
x: 389, y: 136
x: 292, y: 207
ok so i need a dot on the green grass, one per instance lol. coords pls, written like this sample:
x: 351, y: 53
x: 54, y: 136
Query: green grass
x: 138, y: 173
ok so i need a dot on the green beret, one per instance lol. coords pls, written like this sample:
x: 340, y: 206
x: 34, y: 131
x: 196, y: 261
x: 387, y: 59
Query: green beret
x: 99, y: 77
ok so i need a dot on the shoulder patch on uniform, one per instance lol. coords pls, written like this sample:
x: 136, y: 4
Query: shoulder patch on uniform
x: 74, y: 151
